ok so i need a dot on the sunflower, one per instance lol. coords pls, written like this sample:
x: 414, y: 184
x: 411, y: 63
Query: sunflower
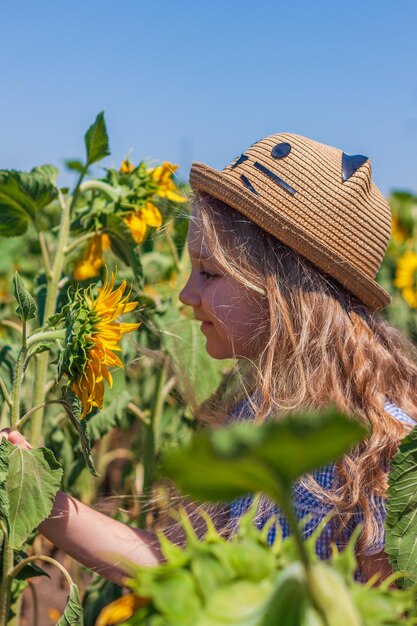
x: 92, y: 261
x: 162, y: 176
x: 94, y: 339
x: 399, y: 233
x: 138, y: 221
x: 126, y: 167
x: 406, y: 277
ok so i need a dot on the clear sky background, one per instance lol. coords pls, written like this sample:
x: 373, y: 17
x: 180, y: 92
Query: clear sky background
x: 190, y: 80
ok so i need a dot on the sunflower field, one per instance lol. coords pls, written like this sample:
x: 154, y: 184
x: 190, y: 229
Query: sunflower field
x: 102, y: 370
x: 97, y: 358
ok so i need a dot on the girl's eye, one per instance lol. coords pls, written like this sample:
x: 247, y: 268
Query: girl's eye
x: 207, y: 275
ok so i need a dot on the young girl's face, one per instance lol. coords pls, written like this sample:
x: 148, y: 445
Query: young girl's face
x: 231, y: 314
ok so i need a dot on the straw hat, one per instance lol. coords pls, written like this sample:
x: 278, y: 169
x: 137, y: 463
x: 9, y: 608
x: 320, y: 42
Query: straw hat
x: 314, y: 198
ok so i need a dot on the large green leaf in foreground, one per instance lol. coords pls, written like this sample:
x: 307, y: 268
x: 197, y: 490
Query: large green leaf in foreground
x: 33, y: 479
x: 401, y: 521
x: 241, y: 458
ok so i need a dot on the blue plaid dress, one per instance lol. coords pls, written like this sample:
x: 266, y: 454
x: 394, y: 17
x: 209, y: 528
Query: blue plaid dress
x: 306, y: 503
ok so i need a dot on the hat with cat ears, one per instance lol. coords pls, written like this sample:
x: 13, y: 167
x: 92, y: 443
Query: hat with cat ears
x: 317, y: 200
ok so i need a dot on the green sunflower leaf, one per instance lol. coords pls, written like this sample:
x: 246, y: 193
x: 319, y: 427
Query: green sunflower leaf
x: 244, y: 458
x: 5, y: 450
x: 97, y: 141
x: 73, y: 613
x: 401, y: 520
x: 33, y: 479
x: 27, y: 306
x: 30, y: 570
x: 23, y: 195
x: 125, y: 247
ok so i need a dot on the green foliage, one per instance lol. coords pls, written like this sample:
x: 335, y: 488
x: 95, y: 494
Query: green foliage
x: 97, y: 141
x: 183, y: 340
x: 242, y: 581
x: 125, y: 247
x: 23, y: 195
x: 269, y: 458
x: 401, y: 521
x: 33, y: 478
x: 73, y: 613
x: 27, y: 306
x: 73, y: 410
x: 99, y: 594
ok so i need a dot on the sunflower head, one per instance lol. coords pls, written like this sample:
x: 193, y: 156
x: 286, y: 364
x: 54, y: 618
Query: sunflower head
x: 93, y: 337
x: 406, y: 277
x: 90, y: 264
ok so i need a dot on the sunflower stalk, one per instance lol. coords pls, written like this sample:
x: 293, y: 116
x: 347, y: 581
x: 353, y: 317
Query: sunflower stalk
x: 288, y: 510
x: 150, y: 452
x: 6, y: 581
x: 17, y: 380
x: 53, y: 279
x: 98, y: 185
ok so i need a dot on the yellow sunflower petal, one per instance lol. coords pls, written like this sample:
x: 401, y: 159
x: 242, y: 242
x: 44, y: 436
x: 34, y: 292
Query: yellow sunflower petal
x: 151, y: 215
x: 109, y: 304
x: 93, y: 259
x: 126, y: 167
x: 136, y: 225
x: 120, y: 610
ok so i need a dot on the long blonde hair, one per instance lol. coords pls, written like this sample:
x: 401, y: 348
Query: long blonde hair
x: 324, y: 346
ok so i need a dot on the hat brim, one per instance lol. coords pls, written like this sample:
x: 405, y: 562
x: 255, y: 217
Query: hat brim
x: 219, y: 185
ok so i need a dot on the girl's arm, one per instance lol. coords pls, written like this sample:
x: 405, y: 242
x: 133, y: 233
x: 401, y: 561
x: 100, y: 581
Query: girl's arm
x: 96, y: 540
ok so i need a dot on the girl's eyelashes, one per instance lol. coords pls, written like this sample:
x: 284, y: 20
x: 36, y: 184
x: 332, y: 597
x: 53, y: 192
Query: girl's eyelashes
x: 208, y: 275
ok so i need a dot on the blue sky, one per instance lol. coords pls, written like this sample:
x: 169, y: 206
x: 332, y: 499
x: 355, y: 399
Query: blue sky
x: 184, y: 81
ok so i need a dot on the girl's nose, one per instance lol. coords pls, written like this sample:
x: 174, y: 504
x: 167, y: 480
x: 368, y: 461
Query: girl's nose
x: 189, y: 294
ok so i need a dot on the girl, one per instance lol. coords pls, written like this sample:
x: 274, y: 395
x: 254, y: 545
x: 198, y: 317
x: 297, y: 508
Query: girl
x: 285, y: 244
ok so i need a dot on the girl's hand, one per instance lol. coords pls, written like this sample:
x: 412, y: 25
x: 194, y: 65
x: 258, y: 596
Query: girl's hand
x: 15, y: 438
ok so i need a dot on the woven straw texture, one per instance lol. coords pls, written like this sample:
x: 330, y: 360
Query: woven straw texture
x: 341, y: 227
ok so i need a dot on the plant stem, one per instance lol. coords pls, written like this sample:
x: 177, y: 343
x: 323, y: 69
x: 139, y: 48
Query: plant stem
x: 50, y: 304
x: 40, y: 557
x: 5, y: 392
x: 149, y: 457
x: 17, y: 380
x: 5, y: 584
x: 76, y: 242
x: 98, y: 185
x: 294, y: 527
x: 172, y: 246
x: 45, y: 254
x: 35, y: 602
x: 46, y: 335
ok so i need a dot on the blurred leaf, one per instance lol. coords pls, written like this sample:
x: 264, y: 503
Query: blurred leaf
x: 244, y: 458
x: 75, y: 165
x: 401, y: 520
x: 99, y: 594
x: 33, y: 479
x: 27, y: 306
x: 30, y: 570
x: 73, y: 613
x: 22, y: 195
x: 125, y: 247
x: 289, y: 601
x: 97, y: 141
x: 184, y: 341
x: 115, y: 402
